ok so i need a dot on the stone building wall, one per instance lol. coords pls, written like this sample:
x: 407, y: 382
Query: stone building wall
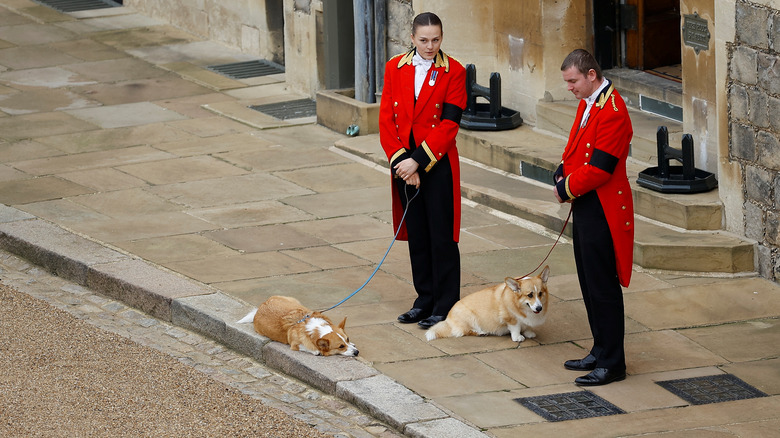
x: 754, y: 119
x: 253, y: 26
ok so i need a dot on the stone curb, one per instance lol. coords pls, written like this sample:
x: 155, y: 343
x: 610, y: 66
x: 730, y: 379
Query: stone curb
x: 197, y: 307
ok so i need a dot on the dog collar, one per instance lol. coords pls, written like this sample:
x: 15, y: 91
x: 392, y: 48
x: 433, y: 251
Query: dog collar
x: 304, y: 318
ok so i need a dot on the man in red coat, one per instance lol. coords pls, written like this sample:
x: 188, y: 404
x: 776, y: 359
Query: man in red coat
x: 592, y: 176
x: 423, y: 99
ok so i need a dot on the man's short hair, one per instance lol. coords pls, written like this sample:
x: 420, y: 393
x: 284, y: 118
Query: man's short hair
x: 583, y: 60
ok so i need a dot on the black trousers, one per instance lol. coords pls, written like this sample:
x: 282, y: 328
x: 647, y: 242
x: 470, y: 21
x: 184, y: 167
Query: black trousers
x: 597, y: 272
x: 434, y: 254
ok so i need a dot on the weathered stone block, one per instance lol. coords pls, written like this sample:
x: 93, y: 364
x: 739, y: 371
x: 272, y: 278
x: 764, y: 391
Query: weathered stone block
x: 777, y: 191
x: 388, y: 400
x: 744, y: 65
x: 769, y: 149
x: 758, y: 104
x: 764, y: 261
x: 772, y: 227
x: 743, y: 143
x: 752, y: 25
x: 447, y: 427
x: 758, y: 184
x: 338, y: 109
x: 754, y: 222
x: 774, y: 36
x: 769, y: 72
x: 773, y: 107
x: 738, y: 100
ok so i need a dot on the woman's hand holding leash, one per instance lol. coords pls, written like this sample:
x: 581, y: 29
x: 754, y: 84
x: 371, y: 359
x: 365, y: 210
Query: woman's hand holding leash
x: 407, y: 170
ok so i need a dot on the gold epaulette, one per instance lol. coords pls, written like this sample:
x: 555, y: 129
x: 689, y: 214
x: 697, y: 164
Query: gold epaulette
x: 603, y: 97
x: 441, y: 60
x: 406, y: 58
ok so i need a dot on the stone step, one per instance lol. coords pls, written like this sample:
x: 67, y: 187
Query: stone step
x: 534, y: 154
x: 657, y: 246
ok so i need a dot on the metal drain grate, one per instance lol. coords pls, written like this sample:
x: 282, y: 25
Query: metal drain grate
x: 711, y: 389
x: 79, y: 5
x: 292, y: 109
x: 247, y: 69
x: 569, y: 406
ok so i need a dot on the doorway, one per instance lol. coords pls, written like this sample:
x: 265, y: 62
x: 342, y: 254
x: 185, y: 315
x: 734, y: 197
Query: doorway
x: 638, y: 34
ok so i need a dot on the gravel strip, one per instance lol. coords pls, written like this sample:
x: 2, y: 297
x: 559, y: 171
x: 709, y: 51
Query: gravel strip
x: 63, y: 377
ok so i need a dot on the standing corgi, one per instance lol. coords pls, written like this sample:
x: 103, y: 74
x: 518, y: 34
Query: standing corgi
x: 510, y: 307
x: 286, y: 320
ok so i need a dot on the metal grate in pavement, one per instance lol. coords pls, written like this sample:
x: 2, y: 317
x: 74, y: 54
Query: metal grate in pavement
x: 569, y: 406
x: 291, y: 109
x: 247, y: 69
x: 79, y: 5
x: 711, y: 389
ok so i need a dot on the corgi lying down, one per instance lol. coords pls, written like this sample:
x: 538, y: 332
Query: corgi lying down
x: 286, y: 320
x: 514, y: 307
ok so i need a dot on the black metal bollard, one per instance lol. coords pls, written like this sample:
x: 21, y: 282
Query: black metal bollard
x: 490, y: 117
x: 676, y: 179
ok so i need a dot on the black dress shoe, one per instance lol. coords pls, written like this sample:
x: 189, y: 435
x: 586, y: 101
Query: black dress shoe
x: 413, y: 315
x: 600, y: 376
x: 587, y: 363
x: 431, y: 321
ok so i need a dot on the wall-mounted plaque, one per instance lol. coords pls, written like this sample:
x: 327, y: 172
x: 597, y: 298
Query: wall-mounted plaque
x: 695, y: 32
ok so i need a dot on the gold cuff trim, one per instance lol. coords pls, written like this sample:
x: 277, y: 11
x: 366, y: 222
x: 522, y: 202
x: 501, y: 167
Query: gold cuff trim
x: 430, y: 155
x: 397, y: 154
x: 568, y: 192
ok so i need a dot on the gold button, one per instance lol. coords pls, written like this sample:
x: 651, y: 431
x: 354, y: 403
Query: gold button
x: 620, y: 192
x: 440, y: 154
x: 438, y: 106
x: 587, y: 145
x: 435, y: 116
x: 628, y: 223
x: 395, y: 103
x: 623, y: 207
x: 587, y: 155
x: 433, y: 126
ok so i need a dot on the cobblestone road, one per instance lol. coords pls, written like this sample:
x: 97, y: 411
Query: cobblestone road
x: 328, y: 414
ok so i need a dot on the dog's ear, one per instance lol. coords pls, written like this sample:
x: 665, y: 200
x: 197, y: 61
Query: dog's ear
x: 545, y: 274
x: 323, y: 344
x: 343, y: 323
x: 512, y: 283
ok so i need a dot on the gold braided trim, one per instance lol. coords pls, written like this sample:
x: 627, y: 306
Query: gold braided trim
x: 604, y: 97
x: 397, y: 154
x: 430, y: 155
x: 568, y: 191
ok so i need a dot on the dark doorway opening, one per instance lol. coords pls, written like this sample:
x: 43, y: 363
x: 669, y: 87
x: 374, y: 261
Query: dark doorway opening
x: 638, y: 34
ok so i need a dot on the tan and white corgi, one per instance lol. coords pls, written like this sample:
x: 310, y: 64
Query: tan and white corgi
x: 514, y: 306
x: 286, y: 320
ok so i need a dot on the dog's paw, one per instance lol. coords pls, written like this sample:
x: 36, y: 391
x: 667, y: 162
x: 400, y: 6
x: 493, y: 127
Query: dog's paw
x: 529, y: 334
x: 518, y: 337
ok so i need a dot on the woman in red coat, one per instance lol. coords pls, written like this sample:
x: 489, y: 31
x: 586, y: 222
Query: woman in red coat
x: 423, y: 98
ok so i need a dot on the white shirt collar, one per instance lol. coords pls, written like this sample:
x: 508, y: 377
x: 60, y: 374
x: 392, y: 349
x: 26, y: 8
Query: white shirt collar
x: 592, y: 98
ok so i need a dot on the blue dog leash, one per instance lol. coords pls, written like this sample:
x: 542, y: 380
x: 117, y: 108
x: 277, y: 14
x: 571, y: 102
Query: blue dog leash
x: 408, y: 201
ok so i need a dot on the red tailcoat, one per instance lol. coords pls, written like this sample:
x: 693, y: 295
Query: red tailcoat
x: 595, y: 159
x: 434, y: 119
